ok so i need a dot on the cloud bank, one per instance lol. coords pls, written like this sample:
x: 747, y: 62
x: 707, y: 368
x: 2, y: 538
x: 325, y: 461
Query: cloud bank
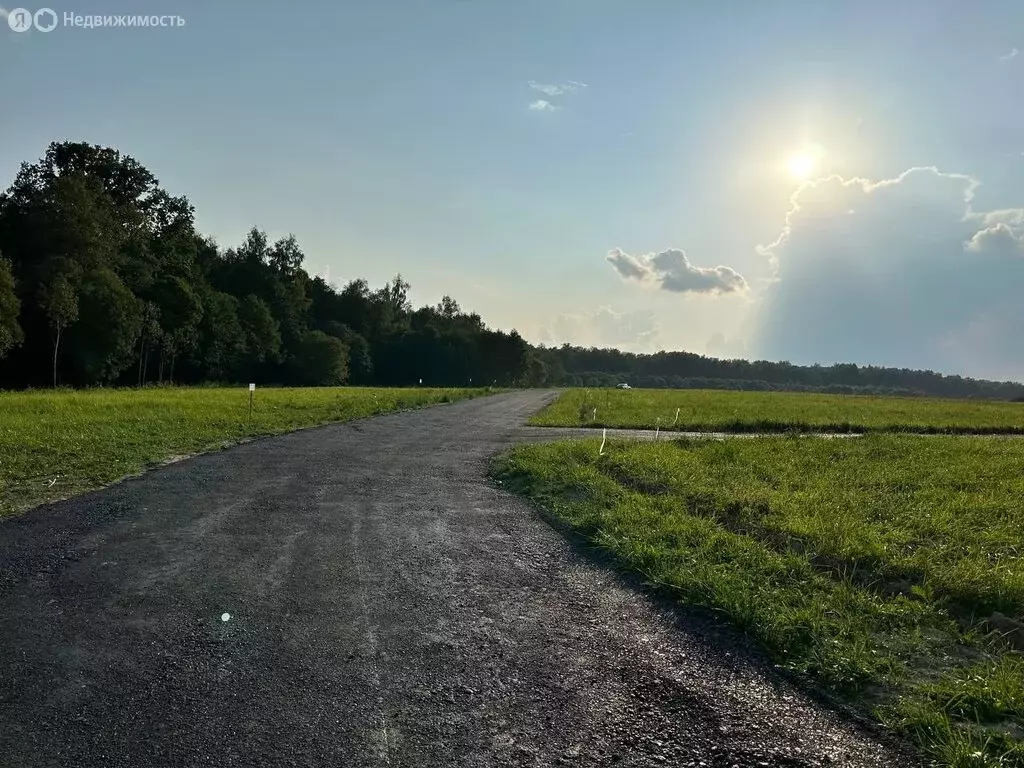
x: 604, y: 327
x: 672, y: 271
x: 901, y: 272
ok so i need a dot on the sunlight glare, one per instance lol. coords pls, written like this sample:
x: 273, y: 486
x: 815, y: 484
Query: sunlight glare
x: 802, y: 165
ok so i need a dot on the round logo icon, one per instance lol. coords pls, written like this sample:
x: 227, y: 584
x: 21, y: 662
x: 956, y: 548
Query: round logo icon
x: 20, y: 19
x: 45, y: 19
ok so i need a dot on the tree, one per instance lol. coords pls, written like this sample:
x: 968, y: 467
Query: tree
x: 289, y: 304
x: 355, y: 307
x: 448, y: 308
x: 180, y: 311
x: 262, y: 336
x: 536, y: 371
x: 101, y: 344
x: 360, y: 357
x: 254, y: 250
x: 222, y: 338
x: 148, y: 334
x: 320, y: 360
x: 389, y: 309
x: 285, y: 256
x: 10, y: 331
x: 59, y: 300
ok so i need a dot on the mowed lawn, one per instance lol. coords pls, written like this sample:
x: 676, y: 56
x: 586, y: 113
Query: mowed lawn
x: 887, y: 568
x: 54, y: 444
x: 725, y: 411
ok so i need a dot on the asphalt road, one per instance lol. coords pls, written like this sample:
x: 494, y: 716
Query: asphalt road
x: 388, y: 607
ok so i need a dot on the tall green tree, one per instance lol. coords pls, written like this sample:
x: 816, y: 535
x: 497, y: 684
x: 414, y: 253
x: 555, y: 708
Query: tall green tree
x: 101, y: 344
x: 289, y: 304
x: 59, y: 300
x: 262, y: 335
x: 149, y: 334
x: 285, y: 257
x: 222, y: 338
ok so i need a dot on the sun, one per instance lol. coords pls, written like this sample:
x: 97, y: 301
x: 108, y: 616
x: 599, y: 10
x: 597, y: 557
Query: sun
x: 802, y: 165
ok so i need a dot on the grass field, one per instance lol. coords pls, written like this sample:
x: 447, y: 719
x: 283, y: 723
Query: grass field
x: 888, y: 568
x: 718, y: 410
x: 54, y: 444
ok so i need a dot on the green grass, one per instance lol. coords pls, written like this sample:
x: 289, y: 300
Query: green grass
x: 724, y: 411
x: 87, y: 439
x: 870, y: 566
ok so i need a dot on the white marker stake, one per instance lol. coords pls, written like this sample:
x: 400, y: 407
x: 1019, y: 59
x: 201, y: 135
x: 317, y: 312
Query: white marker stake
x: 604, y: 436
x: 657, y: 428
x: 252, y: 389
x: 676, y: 419
x: 593, y: 416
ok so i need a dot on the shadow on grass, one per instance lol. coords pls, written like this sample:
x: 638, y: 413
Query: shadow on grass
x: 718, y: 639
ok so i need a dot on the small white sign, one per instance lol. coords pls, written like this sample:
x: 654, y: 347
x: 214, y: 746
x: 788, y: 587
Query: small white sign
x: 252, y: 387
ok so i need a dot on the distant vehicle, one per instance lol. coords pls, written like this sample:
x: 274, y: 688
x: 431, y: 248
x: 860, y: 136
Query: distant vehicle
x: 623, y: 386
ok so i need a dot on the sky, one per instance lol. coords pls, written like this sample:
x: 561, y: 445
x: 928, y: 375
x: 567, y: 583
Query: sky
x: 788, y: 180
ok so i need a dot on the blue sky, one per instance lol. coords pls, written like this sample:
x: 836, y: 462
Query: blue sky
x: 397, y: 136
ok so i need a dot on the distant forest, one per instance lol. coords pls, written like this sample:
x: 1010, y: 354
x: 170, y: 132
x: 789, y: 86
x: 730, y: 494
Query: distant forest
x: 104, y: 280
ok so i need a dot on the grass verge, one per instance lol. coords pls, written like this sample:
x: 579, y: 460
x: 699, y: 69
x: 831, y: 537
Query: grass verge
x: 55, y: 444
x: 699, y: 410
x: 886, y: 569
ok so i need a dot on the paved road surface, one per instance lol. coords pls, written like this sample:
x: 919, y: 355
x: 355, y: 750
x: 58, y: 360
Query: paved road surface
x: 388, y: 607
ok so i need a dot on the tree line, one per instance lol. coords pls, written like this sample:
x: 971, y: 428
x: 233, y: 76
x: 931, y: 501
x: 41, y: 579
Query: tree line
x: 575, y: 366
x: 104, y: 280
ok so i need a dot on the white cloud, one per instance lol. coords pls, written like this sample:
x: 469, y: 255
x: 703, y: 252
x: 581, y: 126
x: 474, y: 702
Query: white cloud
x: 898, y: 272
x: 549, y: 89
x: 999, y: 239
x: 604, y: 327
x: 1011, y: 55
x: 834, y: 194
x: 672, y: 271
x: 542, y: 105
